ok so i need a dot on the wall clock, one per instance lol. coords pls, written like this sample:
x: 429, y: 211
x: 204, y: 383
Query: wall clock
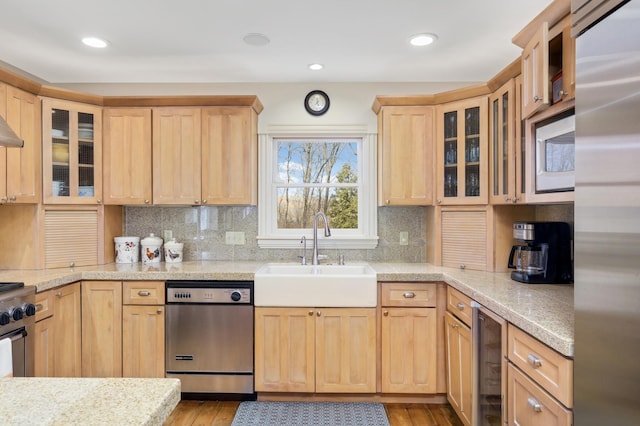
x: 316, y: 102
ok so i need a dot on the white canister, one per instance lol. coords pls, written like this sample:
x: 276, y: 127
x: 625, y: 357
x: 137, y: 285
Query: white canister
x: 173, y: 251
x: 151, y: 248
x: 127, y: 249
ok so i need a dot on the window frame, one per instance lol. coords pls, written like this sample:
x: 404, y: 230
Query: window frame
x: 270, y: 236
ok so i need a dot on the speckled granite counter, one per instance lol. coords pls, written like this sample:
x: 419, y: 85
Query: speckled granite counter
x: 66, y: 401
x: 544, y: 311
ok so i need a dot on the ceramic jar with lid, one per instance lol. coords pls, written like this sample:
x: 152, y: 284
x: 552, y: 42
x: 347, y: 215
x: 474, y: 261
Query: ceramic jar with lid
x: 127, y: 249
x: 173, y: 251
x: 151, y: 249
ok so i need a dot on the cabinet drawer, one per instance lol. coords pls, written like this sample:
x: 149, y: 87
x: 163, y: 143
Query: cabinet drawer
x: 143, y: 293
x: 459, y: 305
x: 530, y: 405
x: 547, y: 367
x: 409, y: 294
x: 44, y: 305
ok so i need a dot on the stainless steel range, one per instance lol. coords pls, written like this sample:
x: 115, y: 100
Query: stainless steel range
x: 209, y: 336
x: 17, y: 321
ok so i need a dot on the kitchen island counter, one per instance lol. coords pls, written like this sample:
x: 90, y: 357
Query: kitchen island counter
x: 545, y: 311
x: 71, y: 401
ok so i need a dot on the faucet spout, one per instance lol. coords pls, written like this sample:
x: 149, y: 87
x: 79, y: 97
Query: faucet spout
x: 327, y: 233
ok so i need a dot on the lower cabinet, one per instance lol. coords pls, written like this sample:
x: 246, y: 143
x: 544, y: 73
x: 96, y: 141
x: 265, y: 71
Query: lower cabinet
x: 330, y: 350
x: 459, y: 366
x: 58, y: 351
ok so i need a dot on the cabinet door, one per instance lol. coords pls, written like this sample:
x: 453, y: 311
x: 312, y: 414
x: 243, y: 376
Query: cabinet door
x: 44, y: 352
x: 346, y: 350
x: 408, y: 344
x: 71, y: 236
x: 176, y: 156
x: 101, y: 329
x: 502, y: 158
x: 459, y: 366
x: 24, y: 172
x: 67, y: 323
x: 535, y: 72
x: 127, y: 156
x: 461, y: 152
x: 463, y: 238
x: 405, y: 170
x: 3, y: 150
x: 230, y: 156
x: 284, y: 349
x: 143, y: 341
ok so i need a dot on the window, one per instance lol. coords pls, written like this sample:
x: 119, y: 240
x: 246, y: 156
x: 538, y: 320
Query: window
x: 303, y: 173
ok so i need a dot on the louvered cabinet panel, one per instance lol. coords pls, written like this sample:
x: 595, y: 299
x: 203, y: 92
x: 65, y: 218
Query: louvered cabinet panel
x: 71, y: 237
x: 464, y: 239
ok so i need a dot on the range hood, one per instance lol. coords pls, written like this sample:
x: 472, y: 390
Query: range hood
x: 8, y: 137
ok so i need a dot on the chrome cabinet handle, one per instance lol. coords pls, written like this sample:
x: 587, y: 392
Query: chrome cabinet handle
x: 537, y: 98
x: 144, y: 293
x: 39, y: 307
x: 534, y: 361
x: 535, y: 405
x: 408, y: 295
x: 460, y: 306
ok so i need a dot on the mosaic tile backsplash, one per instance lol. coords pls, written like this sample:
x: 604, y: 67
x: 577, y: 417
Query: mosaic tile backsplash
x: 202, y: 230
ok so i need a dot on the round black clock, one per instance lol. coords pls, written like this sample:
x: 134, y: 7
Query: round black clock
x: 316, y: 102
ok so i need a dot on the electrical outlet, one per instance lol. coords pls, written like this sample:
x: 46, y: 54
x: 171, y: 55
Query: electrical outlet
x: 234, y: 238
x: 404, y: 238
x: 168, y: 234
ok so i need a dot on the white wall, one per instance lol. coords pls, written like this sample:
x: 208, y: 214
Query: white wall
x: 283, y: 103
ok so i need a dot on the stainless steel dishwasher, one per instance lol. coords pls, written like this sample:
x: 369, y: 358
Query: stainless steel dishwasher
x: 209, y: 336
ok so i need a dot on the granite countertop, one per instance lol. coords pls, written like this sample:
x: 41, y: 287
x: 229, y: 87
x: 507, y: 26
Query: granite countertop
x: 544, y: 311
x: 70, y: 401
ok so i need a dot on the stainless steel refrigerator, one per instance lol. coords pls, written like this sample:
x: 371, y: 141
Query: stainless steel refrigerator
x: 607, y: 221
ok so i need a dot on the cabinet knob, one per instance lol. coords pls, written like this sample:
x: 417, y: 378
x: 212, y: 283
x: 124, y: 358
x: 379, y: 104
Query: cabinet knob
x: 438, y: 201
x: 144, y: 293
x: 507, y: 199
x: 310, y: 313
x: 537, y: 98
x: 563, y: 94
x: 454, y: 325
x: 534, y: 361
x: 4, y: 199
x: 12, y: 198
x: 534, y: 404
x: 196, y: 202
x: 463, y: 266
x: 72, y: 264
x: 385, y: 313
x: 387, y: 202
x: 159, y: 310
x: 204, y: 201
x: 39, y: 307
x: 147, y: 201
x: 59, y: 294
x: 460, y: 306
x: 319, y: 313
x: 99, y: 201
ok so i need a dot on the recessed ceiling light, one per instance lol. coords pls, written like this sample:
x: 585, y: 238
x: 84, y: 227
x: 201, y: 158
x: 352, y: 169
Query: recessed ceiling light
x: 95, y: 42
x: 256, y: 39
x: 316, y: 67
x: 422, y: 39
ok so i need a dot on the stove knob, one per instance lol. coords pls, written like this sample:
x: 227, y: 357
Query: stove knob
x: 5, y: 318
x: 17, y: 314
x: 236, y: 296
x: 29, y: 309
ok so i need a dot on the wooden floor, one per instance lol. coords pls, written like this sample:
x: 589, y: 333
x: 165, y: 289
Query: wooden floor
x: 220, y: 413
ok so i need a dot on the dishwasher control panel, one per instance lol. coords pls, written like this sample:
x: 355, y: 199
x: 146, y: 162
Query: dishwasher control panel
x: 209, y: 294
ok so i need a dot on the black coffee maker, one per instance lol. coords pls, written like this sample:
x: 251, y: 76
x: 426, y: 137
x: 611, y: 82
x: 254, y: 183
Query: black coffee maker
x: 545, y: 257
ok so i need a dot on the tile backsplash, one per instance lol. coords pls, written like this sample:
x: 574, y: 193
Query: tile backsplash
x: 202, y: 230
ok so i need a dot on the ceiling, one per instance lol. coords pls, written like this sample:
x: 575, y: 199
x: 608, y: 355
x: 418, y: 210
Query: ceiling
x: 201, y: 41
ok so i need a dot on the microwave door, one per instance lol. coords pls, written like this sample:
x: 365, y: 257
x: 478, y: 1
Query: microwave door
x: 555, y: 158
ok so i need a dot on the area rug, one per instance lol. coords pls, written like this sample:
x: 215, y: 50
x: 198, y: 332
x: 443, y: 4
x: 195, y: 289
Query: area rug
x: 266, y: 413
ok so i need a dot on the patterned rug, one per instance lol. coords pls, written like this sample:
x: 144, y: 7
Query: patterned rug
x: 263, y: 413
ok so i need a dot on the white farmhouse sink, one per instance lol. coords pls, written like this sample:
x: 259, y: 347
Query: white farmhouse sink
x: 287, y: 284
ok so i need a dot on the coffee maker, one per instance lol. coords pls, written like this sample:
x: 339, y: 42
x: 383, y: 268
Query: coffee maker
x: 545, y: 256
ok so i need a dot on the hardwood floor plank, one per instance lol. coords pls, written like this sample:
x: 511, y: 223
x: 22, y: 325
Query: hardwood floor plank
x: 444, y: 415
x: 184, y: 414
x: 208, y: 412
x: 420, y: 415
x: 398, y: 415
x: 226, y: 413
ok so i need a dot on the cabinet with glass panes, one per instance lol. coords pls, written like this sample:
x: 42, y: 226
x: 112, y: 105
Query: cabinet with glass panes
x: 461, y: 152
x: 72, y: 146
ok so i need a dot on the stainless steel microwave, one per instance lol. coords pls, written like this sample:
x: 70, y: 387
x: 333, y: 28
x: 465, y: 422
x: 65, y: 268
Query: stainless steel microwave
x: 555, y: 154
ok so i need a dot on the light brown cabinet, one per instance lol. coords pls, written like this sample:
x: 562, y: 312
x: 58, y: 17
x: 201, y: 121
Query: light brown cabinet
x: 71, y: 153
x: 101, y: 329
x: 20, y: 168
x: 405, y: 152
x: 409, y: 338
x: 127, y: 156
x: 143, y: 328
x: 315, y: 350
x: 58, y: 349
x: 461, y: 152
x: 205, y: 156
x: 459, y: 367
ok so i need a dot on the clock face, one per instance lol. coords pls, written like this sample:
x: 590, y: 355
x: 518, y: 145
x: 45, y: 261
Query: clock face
x: 316, y: 102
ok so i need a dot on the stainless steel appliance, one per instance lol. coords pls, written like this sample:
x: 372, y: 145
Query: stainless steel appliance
x: 17, y: 321
x: 607, y: 217
x: 545, y: 257
x: 555, y: 153
x: 489, y: 349
x: 209, y: 336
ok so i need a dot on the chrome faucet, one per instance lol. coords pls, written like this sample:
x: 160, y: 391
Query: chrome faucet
x: 303, y: 258
x: 327, y: 233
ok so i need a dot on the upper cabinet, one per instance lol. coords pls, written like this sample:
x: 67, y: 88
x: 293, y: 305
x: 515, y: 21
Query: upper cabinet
x: 20, y: 168
x: 405, y: 164
x: 548, y: 59
x: 72, y: 152
x: 461, y: 152
x: 127, y: 156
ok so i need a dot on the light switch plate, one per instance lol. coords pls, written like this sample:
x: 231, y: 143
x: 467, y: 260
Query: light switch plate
x: 168, y: 234
x: 404, y: 238
x: 234, y: 238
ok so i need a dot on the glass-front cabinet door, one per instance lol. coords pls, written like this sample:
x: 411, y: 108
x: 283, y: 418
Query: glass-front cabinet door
x: 461, y: 152
x: 502, y: 174
x: 72, y: 149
